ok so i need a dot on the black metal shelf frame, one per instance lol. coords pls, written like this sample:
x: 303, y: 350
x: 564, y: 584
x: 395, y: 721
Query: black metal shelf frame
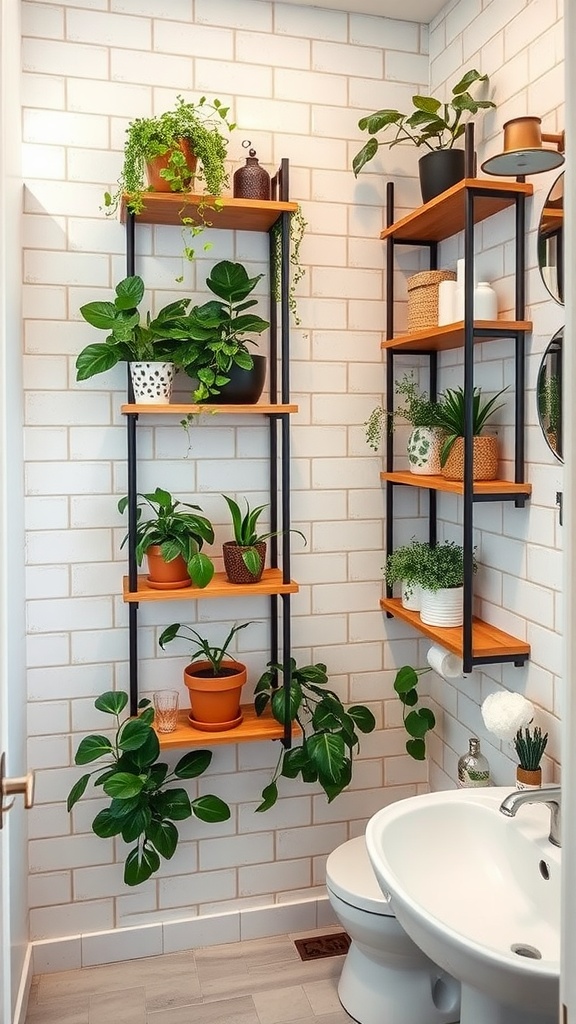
x: 470, y: 333
x: 278, y: 451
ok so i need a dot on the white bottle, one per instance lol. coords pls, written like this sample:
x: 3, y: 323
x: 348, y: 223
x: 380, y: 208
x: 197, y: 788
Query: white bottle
x: 485, y: 302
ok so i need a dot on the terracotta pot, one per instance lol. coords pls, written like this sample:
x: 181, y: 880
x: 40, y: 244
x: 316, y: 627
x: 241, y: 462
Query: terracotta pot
x: 215, y: 701
x: 160, y: 163
x: 484, y: 461
x: 236, y: 570
x: 164, y: 575
x: 528, y: 779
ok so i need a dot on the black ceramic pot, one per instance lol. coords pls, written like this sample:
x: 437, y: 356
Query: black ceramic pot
x: 440, y: 170
x: 244, y: 387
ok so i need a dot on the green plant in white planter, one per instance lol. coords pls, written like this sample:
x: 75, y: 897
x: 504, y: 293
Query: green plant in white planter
x: 441, y: 580
x: 421, y: 412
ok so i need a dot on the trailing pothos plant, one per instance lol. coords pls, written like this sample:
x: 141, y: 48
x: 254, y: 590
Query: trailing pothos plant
x: 417, y: 721
x: 142, y: 809
x: 329, y: 730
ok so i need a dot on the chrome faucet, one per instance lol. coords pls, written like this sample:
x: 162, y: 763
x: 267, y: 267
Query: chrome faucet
x: 549, y: 795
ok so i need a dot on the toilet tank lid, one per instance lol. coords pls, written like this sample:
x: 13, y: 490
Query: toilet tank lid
x: 349, y: 874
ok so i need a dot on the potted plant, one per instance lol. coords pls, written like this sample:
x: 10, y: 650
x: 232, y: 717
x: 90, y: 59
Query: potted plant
x: 417, y: 721
x: 530, y: 747
x: 329, y: 736
x: 216, y: 353
x: 214, y: 682
x: 148, y: 347
x: 441, y: 579
x: 161, y: 153
x: 244, y: 556
x: 422, y: 413
x: 451, y: 417
x: 432, y: 124
x: 404, y: 565
x: 172, y: 541
x: 143, y: 807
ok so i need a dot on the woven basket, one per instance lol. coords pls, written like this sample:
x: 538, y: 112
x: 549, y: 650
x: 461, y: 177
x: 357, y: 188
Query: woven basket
x: 234, y: 565
x: 423, y: 298
x: 484, y: 459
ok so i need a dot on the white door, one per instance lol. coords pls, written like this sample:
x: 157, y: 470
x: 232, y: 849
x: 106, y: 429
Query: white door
x: 13, y: 854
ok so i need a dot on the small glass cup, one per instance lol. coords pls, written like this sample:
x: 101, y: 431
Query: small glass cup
x: 166, y: 710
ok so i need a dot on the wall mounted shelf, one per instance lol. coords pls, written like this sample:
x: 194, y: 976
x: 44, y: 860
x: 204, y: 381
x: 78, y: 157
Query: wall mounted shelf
x: 271, y: 583
x: 260, y: 409
x: 229, y: 215
x: 252, y: 729
x: 489, y: 644
x: 491, y: 490
x: 439, y: 339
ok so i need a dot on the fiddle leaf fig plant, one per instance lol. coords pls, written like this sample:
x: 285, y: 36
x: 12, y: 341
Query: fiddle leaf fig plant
x: 329, y: 730
x: 142, y: 808
x: 417, y: 721
x: 432, y: 123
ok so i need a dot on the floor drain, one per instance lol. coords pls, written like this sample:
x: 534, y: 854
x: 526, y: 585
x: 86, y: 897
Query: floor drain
x: 528, y: 951
x: 318, y: 946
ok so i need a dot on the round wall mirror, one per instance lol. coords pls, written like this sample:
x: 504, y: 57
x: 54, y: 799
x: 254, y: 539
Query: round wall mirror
x: 549, y: 394
x: 551, y: 241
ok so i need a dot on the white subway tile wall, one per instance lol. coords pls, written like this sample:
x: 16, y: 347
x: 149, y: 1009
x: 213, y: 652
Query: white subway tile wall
x: 297, y: 80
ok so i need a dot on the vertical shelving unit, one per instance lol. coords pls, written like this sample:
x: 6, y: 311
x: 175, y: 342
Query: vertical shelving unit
x: 276, y: 584
x: 458, y: 209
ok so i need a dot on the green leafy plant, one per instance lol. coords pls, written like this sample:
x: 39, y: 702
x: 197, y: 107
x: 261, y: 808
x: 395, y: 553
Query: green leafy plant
x: 142, y: 808
x: 216, y: 330
x: 329, y: 730
x: 246, y: 534
x: 417, y: 408
x: 199, y: 124
x: 432, y: 123
x: 201, y: 649
x: 451, y: 415
x: 175, y: 531
x: 298, y: 227
x: 530, y: 747
x: 128, y: 339
x: 417, y: 721
x: 404, y: 564
x: 442, y: 566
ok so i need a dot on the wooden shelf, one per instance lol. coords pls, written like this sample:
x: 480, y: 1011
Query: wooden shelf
x: 271, y: 583
x: 233, y: 214
x: 487, y: 641
x: 250, y: 730
x: 440, y: 483
x: 258, y: 409
x: 438, y: 339
x: 445, y: 215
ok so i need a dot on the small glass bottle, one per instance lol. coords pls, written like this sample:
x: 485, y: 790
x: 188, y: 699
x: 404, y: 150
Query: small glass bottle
x: 473, y: 768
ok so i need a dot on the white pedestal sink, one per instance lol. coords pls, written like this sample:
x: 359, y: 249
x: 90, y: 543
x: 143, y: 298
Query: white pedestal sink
x: 480, y: 894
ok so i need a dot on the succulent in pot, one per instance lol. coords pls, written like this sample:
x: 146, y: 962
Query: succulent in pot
x: 216, y: 352
x: 172, y: 540
x: 452, y: 418
x: 244, y: 556
x: 329, y: 729
x: 434, y: 124
x: 214, y: 681
x: 149, y: 343
x: 143, y: 807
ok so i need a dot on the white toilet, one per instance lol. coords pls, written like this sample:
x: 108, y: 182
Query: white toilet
x: 386, y: 979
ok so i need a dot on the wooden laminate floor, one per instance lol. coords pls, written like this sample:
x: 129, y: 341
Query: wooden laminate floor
x: 261, y: 981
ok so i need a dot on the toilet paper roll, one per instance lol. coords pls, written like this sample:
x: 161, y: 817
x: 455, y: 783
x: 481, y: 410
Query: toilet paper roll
x: 447, y: 665
x: 446, y: 302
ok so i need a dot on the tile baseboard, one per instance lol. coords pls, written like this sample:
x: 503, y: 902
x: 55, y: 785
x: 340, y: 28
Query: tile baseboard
x: 96, y: 948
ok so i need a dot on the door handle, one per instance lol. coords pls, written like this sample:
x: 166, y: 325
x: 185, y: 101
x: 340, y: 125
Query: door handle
x: 12, y: 787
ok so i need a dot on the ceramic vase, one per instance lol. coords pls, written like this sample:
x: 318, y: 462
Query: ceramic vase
x: 424, y: 446
x: 411, y: 596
